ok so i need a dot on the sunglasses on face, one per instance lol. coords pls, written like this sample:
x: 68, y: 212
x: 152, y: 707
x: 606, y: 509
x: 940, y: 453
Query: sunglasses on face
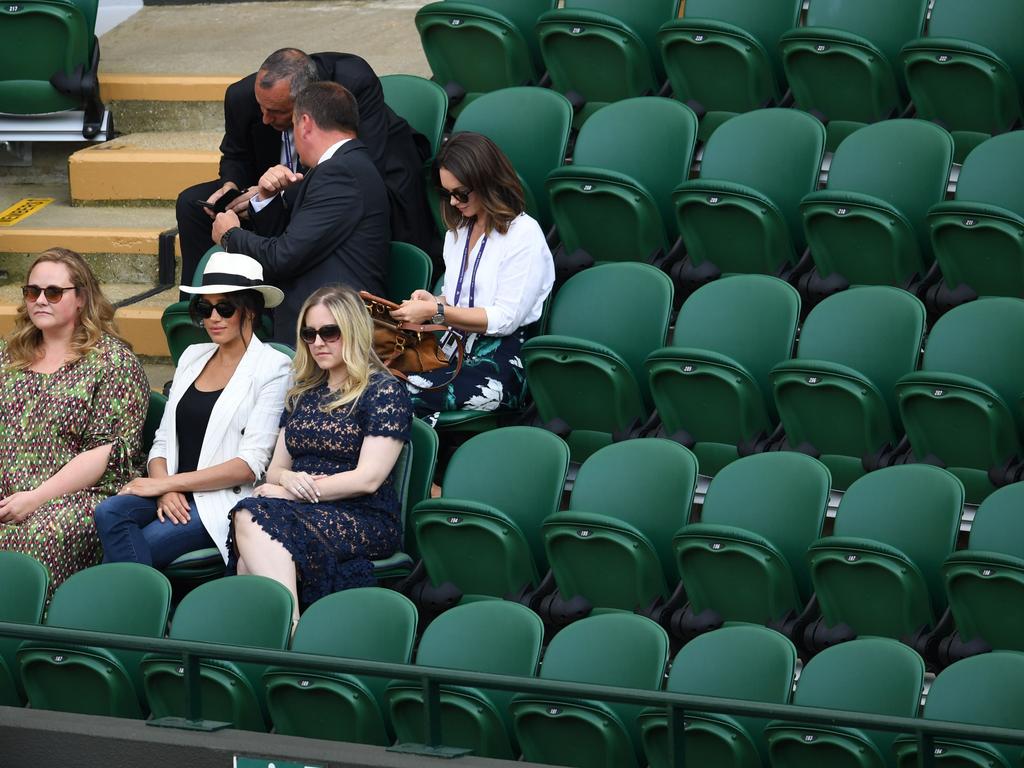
x: 327, y: 334
x: 53, y: 293
x: 224, y: 308
x: 461, y: 193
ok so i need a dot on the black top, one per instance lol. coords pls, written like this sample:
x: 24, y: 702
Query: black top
x: 191, y: 420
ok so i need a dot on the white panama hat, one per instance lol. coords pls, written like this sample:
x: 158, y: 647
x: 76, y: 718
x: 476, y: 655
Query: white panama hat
x: 233, y: 272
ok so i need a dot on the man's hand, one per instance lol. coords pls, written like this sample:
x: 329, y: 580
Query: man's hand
x: 222, y: 223
x: 173, y: 506
x: 19, y: 506
x: 240, y: 205
x: 277, y: 180
x: 144, y: 486
x: 228, y: 185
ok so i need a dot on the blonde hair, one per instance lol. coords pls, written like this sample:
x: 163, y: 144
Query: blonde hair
x: 94, y: 321
x: 361, y: 362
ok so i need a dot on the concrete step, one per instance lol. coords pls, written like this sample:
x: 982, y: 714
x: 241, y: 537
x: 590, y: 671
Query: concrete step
x: 139, y: 323
x: 120, y: 244
x: 161, y: 102
x: 143, y: 168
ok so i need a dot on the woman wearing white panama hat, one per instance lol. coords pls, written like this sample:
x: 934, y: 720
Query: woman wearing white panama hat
x: 218, y: 429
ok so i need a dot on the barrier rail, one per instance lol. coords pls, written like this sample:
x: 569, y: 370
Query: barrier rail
x: 432, y: 678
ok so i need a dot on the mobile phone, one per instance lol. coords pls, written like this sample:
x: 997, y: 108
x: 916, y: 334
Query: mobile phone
x: 221, y: 205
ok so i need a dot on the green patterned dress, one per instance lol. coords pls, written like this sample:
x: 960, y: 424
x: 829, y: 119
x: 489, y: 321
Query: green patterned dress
x: 46, y: 419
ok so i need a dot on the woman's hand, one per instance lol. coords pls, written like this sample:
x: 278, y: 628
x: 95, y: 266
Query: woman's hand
x: 421, y: 295
x: 415, y: 310
x: 174, y: 507
x: 19, y: 506
x: 148, y: 487
x: 302, y: 485
x: 272, y: 491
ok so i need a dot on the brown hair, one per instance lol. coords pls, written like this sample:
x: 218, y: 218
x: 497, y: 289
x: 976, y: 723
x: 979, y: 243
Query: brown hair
x: 95, y: 320
x: 477, y: 162
x: 331, y: 106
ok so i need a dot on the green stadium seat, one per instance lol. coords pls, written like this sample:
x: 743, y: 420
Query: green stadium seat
x: 722, y: 56
x: 880, y: 572
x: 495, y: 637
x: 711, y: 385
x: 836, y: 398
x: 844, y: 64
x: 116, y: 598
x: 246, y: 611
x: 179, y: 328
x: 599, y: 353
x: 873, y: 675
x: 154, y: 413
x: 399, y: 563
x: 968, y: 72
x: 531, y: 126
x: 985, y: 690
x: 425, y: 444
x: 481, y: 46
x: 742, y: 214
x: 744, y: 560
x: 737, y: 662
x: 613, y: 545
x: 409, y: 270
x: 370, y: 624
x: 984, y: 582
x: 978, y: 238
x: 602, y: 51
x: 25, y: 581
x: 49, y: 57
x: 868, y: 226
x: 614, y: 201
x: 484, y: 534
x: 422, y: 103
x: 961, y: 408
x: 613, y: 649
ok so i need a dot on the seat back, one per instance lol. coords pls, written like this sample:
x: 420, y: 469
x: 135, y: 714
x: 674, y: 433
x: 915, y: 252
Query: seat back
x: 615, y: 200
x: 154, y: 413
x: 421, y: 476
x: 491, y: 636
x: 409, y: 270
x: 41, y: 39
x: 984, y: 690
x: 615, y: 649
x: 531, y: 126
x: 736, y: 662
x: 869, y: 225
x: 882, y: 567
x: 874, y: 675
x: 26, y: 581
x: 976, y: 238
x: 613, y: 546
x: 743, y: 213
x: 422, y: 103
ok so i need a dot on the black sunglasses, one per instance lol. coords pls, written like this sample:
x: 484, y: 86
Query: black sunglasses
x: 461, y: 194
x: 53, y: 293
x: 224, y: 308
x: 327, y: 334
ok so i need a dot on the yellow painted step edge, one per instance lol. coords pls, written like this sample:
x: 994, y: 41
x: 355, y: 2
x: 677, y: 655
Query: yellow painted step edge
x: 124, y: 87
x: 81, y: 239
x: 130, y: 174
x: 140, y: 327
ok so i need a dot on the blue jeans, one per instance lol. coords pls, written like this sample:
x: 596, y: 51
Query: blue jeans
x: 130, y: 532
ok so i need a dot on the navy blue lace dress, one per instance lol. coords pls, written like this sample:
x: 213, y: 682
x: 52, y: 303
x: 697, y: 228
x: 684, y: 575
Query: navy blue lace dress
x: 333, y: 542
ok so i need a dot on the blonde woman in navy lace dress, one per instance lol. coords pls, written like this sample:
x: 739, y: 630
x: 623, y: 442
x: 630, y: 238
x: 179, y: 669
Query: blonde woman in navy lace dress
x: 329, y: 505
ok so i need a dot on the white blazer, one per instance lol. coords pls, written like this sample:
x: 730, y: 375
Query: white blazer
x: 244, y: 424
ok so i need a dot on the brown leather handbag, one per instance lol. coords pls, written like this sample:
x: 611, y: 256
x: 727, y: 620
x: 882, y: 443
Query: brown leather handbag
x: 408, y: 347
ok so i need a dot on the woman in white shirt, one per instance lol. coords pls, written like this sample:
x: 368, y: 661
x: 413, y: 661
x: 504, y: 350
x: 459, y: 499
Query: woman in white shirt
x: 218, y: 429
x: 498, y: 272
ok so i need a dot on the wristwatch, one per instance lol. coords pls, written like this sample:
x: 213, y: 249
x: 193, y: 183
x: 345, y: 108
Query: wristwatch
x: 438, y: 319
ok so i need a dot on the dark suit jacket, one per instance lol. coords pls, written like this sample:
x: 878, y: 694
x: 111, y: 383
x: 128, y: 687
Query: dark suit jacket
x: 249, y: 147
x: 334, y: 230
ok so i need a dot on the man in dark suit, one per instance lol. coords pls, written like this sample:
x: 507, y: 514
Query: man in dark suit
x: 257, y: 136
x: 326, y: 225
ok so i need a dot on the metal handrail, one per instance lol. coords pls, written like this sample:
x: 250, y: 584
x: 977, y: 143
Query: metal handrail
x: 432, y: 678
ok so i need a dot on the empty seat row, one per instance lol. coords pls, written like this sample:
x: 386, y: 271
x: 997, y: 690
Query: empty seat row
x: 730, y: 57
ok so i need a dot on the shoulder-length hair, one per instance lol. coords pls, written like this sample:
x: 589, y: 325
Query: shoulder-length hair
x: 361, y: 362
x: 95, y: 320
x: 477, y: 162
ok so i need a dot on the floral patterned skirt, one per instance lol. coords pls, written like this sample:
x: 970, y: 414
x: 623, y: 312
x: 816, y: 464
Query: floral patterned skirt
x: 491, y: 379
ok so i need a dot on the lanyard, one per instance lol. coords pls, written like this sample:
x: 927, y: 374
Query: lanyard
x: 465, y: 264
x: 286, y: 136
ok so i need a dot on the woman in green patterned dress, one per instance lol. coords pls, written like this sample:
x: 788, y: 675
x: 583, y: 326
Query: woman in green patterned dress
x: 73, y: 399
